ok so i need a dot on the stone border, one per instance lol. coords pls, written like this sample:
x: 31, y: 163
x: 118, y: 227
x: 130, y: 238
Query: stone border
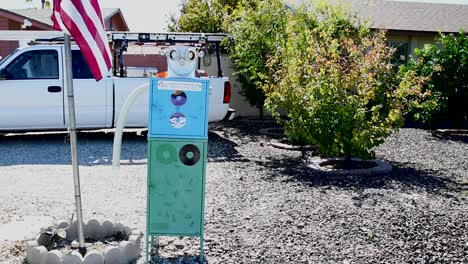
x: 449, y: 132
x: 254, y: 119
x: 269, y: 131
x: 285, y: 146
x: 124, y: 252
x: 381, y: 168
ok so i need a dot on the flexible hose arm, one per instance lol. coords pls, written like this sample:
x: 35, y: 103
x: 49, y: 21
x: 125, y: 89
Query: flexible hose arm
x: 121, y: 123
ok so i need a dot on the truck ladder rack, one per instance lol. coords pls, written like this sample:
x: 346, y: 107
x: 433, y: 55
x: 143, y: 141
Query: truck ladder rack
x: 170, y: 38
x: 115, y: 36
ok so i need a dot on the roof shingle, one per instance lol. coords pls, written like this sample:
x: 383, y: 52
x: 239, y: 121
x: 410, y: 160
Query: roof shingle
x: 409, y: 16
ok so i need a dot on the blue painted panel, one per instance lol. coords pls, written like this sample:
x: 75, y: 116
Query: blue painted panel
x: 178, y: 108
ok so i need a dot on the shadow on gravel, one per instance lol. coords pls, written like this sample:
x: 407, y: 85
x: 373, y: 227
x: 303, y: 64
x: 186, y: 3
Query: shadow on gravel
x: 457, y: 138
x: 245, y: 128
x: 94, y: 148
x: 401, y: 175
x: 221, y: 149
x: 177, y: 260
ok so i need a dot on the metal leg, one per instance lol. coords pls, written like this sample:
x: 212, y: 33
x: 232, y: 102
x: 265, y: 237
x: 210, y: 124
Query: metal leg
x: 156, y: 245
x: 147, y: 248
x: 202, y: 251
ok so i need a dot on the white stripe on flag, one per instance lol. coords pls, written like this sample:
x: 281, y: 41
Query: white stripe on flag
x: 69, y: 8
x: 97, y: 23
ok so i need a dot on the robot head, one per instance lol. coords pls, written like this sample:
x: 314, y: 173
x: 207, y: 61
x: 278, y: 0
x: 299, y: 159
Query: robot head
x: 182, y: 61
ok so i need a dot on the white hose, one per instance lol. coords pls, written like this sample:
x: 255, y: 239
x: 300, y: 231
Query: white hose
x: 121, y: 123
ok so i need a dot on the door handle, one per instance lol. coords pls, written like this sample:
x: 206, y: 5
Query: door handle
x: 54, y: 89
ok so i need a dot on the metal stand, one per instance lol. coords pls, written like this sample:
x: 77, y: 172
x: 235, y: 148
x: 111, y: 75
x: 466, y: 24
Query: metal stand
x: 73, y: 141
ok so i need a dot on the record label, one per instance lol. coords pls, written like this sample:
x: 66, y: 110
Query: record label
x: 189, y: 154
x: 166, y: 153
x: 178, y: 120
x: 178, y: 98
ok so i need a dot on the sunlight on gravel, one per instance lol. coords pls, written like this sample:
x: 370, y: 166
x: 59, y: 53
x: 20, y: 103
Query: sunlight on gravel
x: 263, y: 204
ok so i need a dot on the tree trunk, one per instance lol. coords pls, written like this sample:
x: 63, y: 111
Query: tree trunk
x: 260, y: 112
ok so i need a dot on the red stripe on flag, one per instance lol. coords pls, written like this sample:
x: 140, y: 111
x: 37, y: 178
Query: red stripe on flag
x: 56, y: 25
x: 94, y: 31
x: 83, y: 44
x: 95, y: 5
x: 87, y: 30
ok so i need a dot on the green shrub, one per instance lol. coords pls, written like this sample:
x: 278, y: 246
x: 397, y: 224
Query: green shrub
x: 258, y: 29
x: 445, y: 63
x: 201, y: 16
x: 335, y: 81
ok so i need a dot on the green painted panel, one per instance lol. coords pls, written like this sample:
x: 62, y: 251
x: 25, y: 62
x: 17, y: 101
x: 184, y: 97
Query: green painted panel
x: 176, y: 175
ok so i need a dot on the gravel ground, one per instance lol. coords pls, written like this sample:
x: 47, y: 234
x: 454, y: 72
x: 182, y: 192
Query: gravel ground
x: 263, y: 205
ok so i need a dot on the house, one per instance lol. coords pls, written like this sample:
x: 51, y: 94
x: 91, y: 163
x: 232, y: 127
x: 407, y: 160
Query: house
x: 410, y: 25
x: 39, y: 19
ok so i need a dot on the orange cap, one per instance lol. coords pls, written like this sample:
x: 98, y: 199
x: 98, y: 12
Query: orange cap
x: 163, y: 74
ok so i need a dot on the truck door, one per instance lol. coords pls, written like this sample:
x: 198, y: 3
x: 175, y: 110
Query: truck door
x: 91, y: 98
x: 31, y: 92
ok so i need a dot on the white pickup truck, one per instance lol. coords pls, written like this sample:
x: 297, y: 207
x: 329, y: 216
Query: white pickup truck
x: 32, y: 95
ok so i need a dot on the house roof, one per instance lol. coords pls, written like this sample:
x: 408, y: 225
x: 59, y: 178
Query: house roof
x: 43, y: 16
x: 409, y: 16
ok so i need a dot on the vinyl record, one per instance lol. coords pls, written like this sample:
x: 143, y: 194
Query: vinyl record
x: 177, y: 120
x: 189, y: 154
x: 178, y: 98
x: 166, y: 153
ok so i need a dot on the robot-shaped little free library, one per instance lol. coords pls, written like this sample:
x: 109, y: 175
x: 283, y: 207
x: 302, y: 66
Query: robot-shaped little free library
x: 177, y: 149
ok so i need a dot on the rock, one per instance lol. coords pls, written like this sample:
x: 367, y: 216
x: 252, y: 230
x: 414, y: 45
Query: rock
x: 129, y: 250
x: 74, y: 244
x: 52, y: 257
x: 113, y: 255
x: 93, y: 257
x: 63, y: 225
x: 107, y: 229
x: 73, y: 258
x: 93, y: 229
x: 136, y: 240
x: 34, y: 255
x: 32, y: 243
x: 72, y: 230
x: 44, y: 239
x: 179, y: 244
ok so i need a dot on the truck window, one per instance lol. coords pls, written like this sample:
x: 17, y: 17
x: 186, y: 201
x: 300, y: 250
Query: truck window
x: 36, y: 64
x: 80, y: 67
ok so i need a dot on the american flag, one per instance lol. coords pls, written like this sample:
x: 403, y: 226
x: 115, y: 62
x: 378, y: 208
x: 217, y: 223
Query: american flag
x: 82, y: 20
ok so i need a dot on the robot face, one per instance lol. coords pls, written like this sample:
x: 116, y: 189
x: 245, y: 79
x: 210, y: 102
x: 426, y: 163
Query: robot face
x: 181, y: 61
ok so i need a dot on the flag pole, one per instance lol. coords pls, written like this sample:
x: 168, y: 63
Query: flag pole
x: 73, y: 141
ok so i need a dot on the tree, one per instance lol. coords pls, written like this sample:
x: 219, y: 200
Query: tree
x: 445, y: 63
x: 202, y: 16
x: 258, y: 28
x: 335, y: 81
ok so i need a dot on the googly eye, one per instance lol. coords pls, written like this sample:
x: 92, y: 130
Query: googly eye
x: 174, y: 55
x: 190, y: 55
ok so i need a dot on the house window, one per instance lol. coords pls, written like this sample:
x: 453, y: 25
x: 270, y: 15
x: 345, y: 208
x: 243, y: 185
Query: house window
x: 401, y: 53
x: 37, y: 64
